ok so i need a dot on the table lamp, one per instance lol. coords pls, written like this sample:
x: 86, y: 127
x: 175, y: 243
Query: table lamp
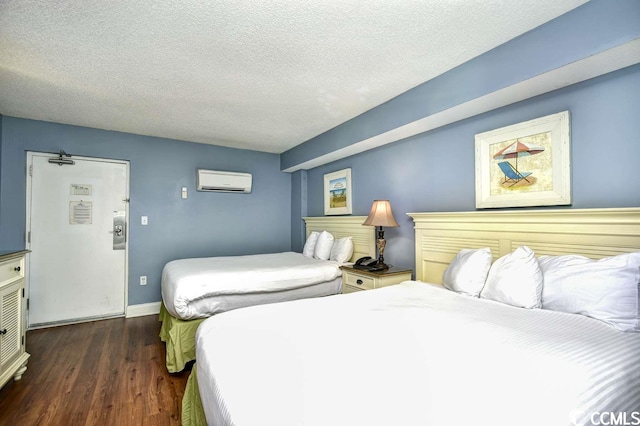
x: 381, y: 215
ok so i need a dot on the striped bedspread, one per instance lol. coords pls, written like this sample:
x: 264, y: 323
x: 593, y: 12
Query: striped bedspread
x: 414, y: 354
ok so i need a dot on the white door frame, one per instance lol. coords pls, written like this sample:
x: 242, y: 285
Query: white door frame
x: 30, y: 155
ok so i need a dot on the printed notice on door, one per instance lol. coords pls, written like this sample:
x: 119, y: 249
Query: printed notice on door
x: 80, y: 212
x: 81, y: 189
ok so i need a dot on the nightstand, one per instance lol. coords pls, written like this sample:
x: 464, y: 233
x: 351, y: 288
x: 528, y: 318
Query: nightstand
x: 358, y: 279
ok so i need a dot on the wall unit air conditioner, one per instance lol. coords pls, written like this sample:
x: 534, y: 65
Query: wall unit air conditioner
x: 212, y: 180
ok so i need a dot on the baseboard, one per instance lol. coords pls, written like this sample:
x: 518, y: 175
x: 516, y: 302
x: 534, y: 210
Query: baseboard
x: 143, y: 309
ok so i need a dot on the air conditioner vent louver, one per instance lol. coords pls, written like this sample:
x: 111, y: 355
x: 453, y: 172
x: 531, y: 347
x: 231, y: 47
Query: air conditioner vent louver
x: 217, y: 181
x: 213, y: 188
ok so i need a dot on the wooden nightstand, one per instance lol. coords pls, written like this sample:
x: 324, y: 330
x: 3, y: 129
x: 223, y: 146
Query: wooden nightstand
x: 357, y: 279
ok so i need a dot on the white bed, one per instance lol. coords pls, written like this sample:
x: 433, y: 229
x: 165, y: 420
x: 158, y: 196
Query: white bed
x: 419, y: 354
x: 194, y: 289
x: 411, y: 354
x: 199, y: 288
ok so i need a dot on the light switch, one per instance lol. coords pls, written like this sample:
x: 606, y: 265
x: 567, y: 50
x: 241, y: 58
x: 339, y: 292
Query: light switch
x: 184, y: 192
x: 144, y: 220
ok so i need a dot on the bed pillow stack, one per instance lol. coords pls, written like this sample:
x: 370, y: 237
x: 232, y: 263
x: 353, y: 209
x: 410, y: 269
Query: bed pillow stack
x: 514, y: 279
x: 322, y: 246
x: 607, y: 289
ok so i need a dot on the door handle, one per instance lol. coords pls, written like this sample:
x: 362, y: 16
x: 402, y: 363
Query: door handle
x: 119, y: 230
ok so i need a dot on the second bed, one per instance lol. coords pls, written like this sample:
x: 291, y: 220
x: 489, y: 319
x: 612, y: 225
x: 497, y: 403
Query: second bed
x: 195, y: 289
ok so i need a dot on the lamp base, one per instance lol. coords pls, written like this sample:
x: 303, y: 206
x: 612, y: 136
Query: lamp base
x: 380, y: 266
x: 381, y: 243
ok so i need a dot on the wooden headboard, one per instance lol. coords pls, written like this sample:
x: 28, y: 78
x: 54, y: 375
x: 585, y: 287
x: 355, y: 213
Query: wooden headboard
x: 363, y: 237
x: 595, y: 233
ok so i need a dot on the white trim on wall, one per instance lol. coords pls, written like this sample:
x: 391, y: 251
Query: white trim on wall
x: 143, y: 309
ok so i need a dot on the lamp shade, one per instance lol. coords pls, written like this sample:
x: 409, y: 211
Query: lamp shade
x: 381, y: 214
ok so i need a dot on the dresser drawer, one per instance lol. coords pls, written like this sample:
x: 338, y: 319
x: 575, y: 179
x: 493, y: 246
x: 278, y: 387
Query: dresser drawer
x: 350, y: 289
x: 11, y: 270
x: 361, y: 282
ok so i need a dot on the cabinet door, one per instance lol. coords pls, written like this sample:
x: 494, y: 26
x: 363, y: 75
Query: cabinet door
x: 10, y: 323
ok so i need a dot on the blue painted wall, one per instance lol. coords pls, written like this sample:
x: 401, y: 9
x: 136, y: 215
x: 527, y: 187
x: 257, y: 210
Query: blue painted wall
x: 435, y: 171
x: 206, y: 224
x: 587, y: 30
x: 298, y: 207
x: 0, y: 164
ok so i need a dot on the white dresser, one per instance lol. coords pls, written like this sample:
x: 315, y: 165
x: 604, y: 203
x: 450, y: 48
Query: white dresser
x: 13, y: 357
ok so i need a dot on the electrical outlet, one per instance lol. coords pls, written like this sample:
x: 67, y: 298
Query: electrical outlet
x: 143, y: 280
x: 144, y: 220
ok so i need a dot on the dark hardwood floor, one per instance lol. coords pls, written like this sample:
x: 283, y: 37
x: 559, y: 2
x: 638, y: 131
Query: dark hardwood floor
x: 108, y: 372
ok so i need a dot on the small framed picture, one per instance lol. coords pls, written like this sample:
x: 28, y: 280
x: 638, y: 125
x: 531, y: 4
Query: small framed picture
x: 337, y: 192
x: 525, y: 164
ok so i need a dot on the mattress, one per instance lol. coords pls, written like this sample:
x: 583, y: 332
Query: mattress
x: 412, y: 354
x: 201, y: 287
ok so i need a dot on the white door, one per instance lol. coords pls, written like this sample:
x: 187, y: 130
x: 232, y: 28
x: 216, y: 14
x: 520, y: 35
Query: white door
x: 77, y: 266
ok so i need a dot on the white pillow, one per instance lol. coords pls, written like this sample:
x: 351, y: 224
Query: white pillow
x: 607, y: 289
x: 342, y: 250
x: 515, y: 279
x: 310, y: 244
x: 468, y: 271
x: 323, y: 247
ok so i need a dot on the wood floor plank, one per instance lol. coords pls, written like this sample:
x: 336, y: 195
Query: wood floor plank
x: 108, y: 372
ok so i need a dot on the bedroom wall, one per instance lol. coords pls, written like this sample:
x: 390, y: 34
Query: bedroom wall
x: 206, y: 224
x: 435, y: 171
x: 575, y: 37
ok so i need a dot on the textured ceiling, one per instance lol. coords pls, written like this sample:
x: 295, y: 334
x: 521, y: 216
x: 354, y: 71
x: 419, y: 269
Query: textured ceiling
x: 253, y: 74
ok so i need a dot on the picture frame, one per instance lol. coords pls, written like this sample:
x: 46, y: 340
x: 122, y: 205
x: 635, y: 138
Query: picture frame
x: 525, y: 164
x: 337, y: 193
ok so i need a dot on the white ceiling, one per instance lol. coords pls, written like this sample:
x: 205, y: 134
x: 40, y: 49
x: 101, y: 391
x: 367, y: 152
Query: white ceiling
x: 252, y: 74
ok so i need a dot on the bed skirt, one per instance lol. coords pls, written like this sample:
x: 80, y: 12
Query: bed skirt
x: 180, y: 338
x: 192, y: 412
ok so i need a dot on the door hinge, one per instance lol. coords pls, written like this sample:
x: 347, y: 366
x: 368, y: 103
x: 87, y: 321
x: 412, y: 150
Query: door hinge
x: 29, y: 237
x: 23, y: 292
x: 31, y: 170
x: 27, y: 304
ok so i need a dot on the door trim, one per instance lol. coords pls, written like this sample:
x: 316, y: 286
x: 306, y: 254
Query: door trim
x: 30, y: 156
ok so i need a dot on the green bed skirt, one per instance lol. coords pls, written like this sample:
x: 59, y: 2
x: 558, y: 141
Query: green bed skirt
x: 180, y: 338
x: 192, y: 412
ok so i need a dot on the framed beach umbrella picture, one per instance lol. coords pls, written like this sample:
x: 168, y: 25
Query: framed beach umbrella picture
x: 525, y: 164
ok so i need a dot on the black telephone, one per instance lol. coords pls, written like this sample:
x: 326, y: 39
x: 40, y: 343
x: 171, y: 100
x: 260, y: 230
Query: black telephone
x: 368, y: 264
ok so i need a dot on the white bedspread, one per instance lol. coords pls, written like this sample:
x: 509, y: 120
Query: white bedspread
x: 412, y: 354
x: 190, y: 280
